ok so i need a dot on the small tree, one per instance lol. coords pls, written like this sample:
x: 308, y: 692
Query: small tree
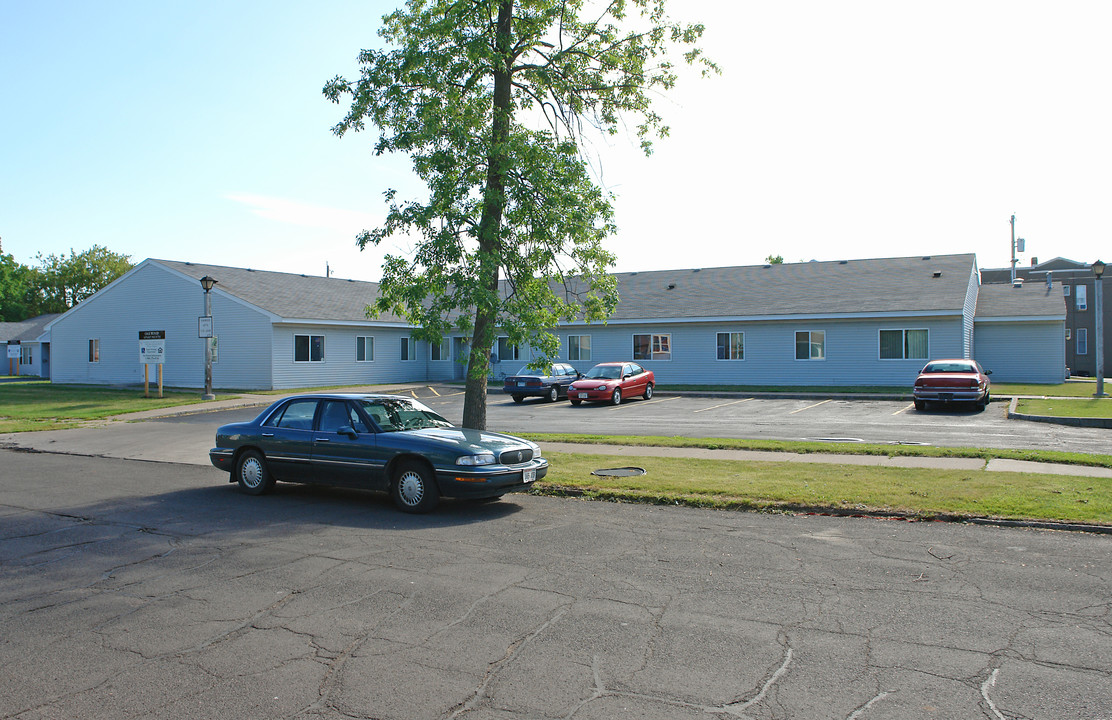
x: 491, y: 99
x: 775, y: 259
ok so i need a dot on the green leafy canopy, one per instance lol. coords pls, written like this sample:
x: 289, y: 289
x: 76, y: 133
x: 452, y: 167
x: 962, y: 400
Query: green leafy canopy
x: 493, y: 101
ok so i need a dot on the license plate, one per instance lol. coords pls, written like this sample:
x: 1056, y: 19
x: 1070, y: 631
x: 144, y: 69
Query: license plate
x: 528, y: 475
x: 521, y: 383
x: 582, y: 396
x: 946, y: 397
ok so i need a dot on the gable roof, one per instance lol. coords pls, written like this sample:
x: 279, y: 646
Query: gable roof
x: 289, y: 296
x: 1030, y: 300
x: 25, y: 330
x: 920, y: 284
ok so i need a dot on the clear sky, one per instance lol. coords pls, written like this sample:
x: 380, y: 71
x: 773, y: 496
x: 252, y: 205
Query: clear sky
x: 837, y: 130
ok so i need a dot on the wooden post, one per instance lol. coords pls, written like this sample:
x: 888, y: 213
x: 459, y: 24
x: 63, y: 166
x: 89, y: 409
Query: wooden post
x: 146, y: 380
x: 160, y: 381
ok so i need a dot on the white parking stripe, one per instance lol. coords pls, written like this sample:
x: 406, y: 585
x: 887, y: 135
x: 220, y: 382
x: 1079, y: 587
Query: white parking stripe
x: 904, y: 409
x: 715, y: 407
x: 793, y: 412
x: 647, y: 402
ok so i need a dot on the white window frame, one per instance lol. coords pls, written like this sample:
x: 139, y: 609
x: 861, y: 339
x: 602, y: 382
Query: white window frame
x: 1065, y: 290
x: 310, y: 359
x: 810, y: 345
x: 368, y: 344
x: 580, y: 355
x: 406, y: 351
x: 729, y: 346
x: 445, y: 348
x: 515, y: 351
x: 1082, y: 296
x: 25, y: 357
x: 903, y: 344
x: 94, y: 350
x: 660, y: 347
x: 1082, y: 341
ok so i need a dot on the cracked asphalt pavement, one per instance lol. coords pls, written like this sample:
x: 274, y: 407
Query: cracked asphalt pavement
x: 132, y: 589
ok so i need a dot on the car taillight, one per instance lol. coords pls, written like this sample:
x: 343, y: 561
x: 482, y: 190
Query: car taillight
x: 974, y: 383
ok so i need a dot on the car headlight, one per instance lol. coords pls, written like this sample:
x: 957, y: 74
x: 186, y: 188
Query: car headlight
x: 480, y: 459
x: 601, y: 387
x: 536, y: 450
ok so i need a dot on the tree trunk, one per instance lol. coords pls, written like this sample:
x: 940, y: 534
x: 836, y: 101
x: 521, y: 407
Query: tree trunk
x: 490, y: 229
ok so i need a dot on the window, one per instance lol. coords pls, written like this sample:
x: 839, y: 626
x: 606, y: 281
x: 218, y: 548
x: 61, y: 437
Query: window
x: 579, y: 347
x: 731, y: 346
x: 440, y: 351
x: 94, y: 351
x: 25, y: 355
x: 1082, y: 300
x: 308, y: 348
x: 652, y: 347
x: 1069, y: 334
x: 297, y: 415
x: 407, y: 353
x: 506, y: 351
x: 1082, y: 339
x: 903, y: 344
x: 364, y: 349
x: 1066, y: 289
x: 810, y: 345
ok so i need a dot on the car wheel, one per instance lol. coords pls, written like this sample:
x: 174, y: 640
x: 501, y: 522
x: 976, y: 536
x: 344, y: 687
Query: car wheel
x: 984, y: 403
x: 519, y: 398
x: 553, y: 394
x: 414, y: 489
x: 252, y: 474
x: 575, y: 401
x: 920, y: 404
x: 648, y: 392
x: 616, y: 398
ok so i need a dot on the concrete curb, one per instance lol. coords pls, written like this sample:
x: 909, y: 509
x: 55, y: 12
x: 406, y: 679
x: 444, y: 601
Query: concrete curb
x: 1071, y: 421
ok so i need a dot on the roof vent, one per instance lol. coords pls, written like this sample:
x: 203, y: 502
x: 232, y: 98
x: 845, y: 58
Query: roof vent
x: 1017, y: 283
x: 671, y: 286
x: 926, y: 257
x: 843, y: 262
x: 936, y: 274
x: 768, y: 266
x: 696, y: 270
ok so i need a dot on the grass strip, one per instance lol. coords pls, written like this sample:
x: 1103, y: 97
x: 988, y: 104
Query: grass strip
x: 771, y: 486
x: 1062, y: 407
x: 27, y: 406
x: 834, y: 448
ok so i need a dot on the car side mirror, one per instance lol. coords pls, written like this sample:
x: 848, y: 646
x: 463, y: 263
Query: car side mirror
x: 347, y: 430
x: 988, y: 372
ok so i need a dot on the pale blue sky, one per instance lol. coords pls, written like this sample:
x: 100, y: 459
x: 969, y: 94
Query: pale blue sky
x: 197, y: 131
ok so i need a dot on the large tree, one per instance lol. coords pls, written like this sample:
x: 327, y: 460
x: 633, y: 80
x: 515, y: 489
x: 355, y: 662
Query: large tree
x: 493, y: 101
x: 60, y: 282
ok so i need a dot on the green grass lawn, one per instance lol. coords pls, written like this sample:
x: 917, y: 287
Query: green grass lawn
x: 1059, y: 407
x: 773, y: 486
x: 41, y: 405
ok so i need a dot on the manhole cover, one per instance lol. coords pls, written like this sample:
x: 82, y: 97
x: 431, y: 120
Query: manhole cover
x: 619, y: 472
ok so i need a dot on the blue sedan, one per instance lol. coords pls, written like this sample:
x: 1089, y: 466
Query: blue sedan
x: 378, y: 442
x: 551, y: 383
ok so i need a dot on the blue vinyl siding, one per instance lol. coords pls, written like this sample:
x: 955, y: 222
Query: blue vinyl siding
x: 1025, y: 352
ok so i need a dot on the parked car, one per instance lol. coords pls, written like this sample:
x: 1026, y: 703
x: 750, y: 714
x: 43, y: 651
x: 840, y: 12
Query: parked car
x: 950, y: 381
x: 611, y: 382
x: 550, y: 383
x: 377, y: 442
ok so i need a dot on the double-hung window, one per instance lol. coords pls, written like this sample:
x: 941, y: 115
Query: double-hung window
x: 652, y: 347
x: 731, y: 346
x: 364, y: 348
x: 810, y: 345
x: 506, y: 350
x: 1082, y: 340
x: 25, y: 355
x: 903, y: 344
x: 308, y: 348
x: 579, y: 347
x: 407, y: 349
x: 1082, y: 297
x: 439, y: 351
x: 94, y: 350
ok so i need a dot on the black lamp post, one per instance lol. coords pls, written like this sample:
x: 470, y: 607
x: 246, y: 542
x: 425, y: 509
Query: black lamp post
x: 207, y: 283
x: 1098, y: 270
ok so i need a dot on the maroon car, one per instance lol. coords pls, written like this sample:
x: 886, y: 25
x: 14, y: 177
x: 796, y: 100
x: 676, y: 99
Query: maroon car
x: 950, y: 381
x: 612, y: 381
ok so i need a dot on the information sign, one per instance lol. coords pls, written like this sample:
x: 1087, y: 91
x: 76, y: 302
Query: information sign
x: 204, y: 326
x: 152, y: 347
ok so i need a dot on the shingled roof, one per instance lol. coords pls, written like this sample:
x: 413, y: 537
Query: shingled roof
x: 1030, y: 300
x: 25, y: 330
x: 909, y: 285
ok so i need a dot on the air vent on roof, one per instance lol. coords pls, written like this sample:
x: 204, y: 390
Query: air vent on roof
x: 671, y: 286
x: 768, y: 266
x: 696, y: 270
x: 936, y: 273
x: 250, y: 270
x: 843, y: 262
x: 926, y: 257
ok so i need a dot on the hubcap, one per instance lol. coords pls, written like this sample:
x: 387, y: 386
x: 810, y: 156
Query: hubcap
x: 251, y: 472
x: 411, y: 488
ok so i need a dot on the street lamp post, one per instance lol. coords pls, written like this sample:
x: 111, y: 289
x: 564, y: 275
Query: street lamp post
x: 1098, y: 270
x: 207, y: 283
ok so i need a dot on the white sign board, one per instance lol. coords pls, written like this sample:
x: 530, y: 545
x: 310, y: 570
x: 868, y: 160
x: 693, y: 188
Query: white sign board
x: 204, y: 326
x: 13, y: 352
x: 152, y: 347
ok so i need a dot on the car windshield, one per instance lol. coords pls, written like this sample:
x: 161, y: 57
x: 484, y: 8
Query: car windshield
x: 394, y: 414
x: 948, y: 368
x: 604, y: 372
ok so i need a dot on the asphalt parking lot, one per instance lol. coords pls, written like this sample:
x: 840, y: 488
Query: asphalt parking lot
x: 155, y: 590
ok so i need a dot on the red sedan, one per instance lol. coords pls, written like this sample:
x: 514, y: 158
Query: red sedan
x: 950, y: 381
x: 612, y: 381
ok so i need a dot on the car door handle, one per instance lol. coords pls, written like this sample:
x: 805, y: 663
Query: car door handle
x: 320, y: 439
x: 268, y: 434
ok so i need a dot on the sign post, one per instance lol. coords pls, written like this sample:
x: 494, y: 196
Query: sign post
x: 13, y: 358
x: 152, y: 351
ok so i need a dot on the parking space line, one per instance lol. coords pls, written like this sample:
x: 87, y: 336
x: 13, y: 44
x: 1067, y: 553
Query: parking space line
x: 715, y: 407
x: 904, y: 409
x: 793, y: 412
x: 643, y: 402
x: 434, y: 392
